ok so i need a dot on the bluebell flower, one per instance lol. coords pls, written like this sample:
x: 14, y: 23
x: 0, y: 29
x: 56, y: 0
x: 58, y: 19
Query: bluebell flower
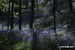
x: 29, y: 39
x: 35, y: 31
x: 51, y: 30
x: 4, y: 32
x: 67, y: 42
x: 42, y: 29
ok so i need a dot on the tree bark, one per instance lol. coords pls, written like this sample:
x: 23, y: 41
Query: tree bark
x: 54, y: 8
x: 20, y: 15
x: 34, y: 41
x: 70, y: 4
x: 9, y: 16
x: 32, y: 13
x: 12, y: 15
x: 2, y: 17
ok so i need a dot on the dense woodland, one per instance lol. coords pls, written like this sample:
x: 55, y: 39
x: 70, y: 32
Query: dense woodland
x: 36, y: 24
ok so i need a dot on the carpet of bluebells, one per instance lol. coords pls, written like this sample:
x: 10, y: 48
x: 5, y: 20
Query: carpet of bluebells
x: 46, y: 39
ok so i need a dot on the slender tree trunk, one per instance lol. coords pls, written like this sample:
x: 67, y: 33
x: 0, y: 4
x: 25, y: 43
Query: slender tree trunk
x: 37, y: 8
x: 70, y: 4
x: 34, y: 41
x: 20, y: 15
x: 9, y: 16
x: 5, y: 12
x: 54, y: 9
x: 12, y: 15
x: 32, y: 13
x: 70, y: 10
x: 2, y: 18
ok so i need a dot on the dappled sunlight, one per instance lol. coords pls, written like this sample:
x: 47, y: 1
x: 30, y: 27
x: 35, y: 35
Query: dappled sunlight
x: 36, y: 24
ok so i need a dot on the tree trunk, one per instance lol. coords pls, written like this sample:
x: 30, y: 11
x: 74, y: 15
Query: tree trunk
x: 70, y: 4
x: 54, y: 8
x: 32, y: 13
x: 34, y: 41
x: 12, y: 15
x: 2, y: 17
x: 19, y: 14
x: 37, y: 8
x: 9, y: 16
